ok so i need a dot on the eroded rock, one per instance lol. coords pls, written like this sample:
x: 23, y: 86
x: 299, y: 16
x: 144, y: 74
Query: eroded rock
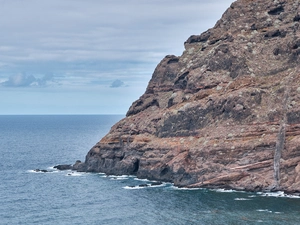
x: 212, y: 116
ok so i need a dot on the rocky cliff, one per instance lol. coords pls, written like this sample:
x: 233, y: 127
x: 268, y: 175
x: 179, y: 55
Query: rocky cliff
x: 226, y: 113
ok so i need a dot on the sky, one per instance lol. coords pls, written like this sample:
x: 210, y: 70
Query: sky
x: 90, y: 56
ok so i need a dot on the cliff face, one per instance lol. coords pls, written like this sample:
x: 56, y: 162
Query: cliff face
x: 226, y: 113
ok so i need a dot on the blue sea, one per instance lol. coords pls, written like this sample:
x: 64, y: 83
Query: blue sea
x: 67, y: 197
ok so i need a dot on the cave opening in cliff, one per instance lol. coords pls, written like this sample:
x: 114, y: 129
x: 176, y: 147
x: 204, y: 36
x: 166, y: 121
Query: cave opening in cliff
x: 136, y: 166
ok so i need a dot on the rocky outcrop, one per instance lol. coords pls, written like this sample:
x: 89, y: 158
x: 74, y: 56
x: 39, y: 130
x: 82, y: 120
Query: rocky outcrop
x: 41, y: 171
x: 63, y: 167
x: 226, y: 113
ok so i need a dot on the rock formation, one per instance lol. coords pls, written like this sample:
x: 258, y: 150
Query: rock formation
x: 226, y: 113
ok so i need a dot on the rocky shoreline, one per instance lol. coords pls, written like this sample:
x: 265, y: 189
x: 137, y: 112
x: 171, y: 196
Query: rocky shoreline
x: 280, y: 193
x: 224, y: 114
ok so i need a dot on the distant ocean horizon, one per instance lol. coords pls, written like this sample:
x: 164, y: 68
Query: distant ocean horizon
x: 28, y: 196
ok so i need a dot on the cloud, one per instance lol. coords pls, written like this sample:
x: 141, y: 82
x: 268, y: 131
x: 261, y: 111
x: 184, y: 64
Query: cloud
x: 19, y: 80
x: 45, y: 80
x: 24, y: 80
x: 76, y: 31
x: 89, y: 44
x: 117, y: 83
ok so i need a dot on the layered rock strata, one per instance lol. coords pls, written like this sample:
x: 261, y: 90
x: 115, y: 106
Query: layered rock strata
x: 226, y: 113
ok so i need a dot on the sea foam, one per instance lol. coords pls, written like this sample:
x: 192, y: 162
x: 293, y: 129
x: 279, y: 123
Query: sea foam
x: 133, y: 187
x: 75, y: 174
x: 278, y: 194
x: 242, y: 199
x: 264, y: 210
x: 184, y: 188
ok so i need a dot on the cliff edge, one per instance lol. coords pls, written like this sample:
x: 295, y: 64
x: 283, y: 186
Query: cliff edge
x: 226, y: 113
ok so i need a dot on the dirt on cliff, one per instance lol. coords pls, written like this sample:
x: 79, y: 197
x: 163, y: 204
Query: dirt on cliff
x: 226, y: 113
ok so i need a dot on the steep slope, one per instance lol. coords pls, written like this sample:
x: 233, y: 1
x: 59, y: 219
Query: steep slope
x: 226, y: 113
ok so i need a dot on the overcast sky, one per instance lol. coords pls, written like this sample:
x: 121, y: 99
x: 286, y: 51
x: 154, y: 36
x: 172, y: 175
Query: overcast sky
x: 90, y: 56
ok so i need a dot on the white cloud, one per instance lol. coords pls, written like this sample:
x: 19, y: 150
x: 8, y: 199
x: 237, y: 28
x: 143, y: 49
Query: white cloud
x: 117, y: 30
x: 24, y: 80
x: 91, y: 43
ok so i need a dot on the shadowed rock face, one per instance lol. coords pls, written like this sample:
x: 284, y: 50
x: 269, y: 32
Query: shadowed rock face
x: 226, y: 113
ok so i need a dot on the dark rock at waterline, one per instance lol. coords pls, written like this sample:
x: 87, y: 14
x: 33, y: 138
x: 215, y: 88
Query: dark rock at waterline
x: 156, y: 183
x: 63, y: 167
x: 43, y: 171
x: 79, y: 166
x: 147, y: 185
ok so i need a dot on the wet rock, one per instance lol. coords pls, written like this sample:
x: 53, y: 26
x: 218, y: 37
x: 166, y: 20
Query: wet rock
x: 156, y: 183
x: 63, y: 167
x: 43, y: 171
x: 79, y: 166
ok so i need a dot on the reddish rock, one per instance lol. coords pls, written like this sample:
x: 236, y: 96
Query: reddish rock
x: 226, y: 113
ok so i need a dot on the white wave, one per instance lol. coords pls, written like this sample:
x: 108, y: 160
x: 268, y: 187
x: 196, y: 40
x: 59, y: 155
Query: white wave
x: 40, y: 171
x: 159, y: 185
x: 226, y: 190
x: 103, y: 175
x: 273, y: 194
x: 132, y: 176
x: 75, y: 174
x: 184, y: 188
x: 252, y: 196
x: 264, y: 210
x: 133, y: 187
x: 33, y: 171
x: 242, y: 199
x: 145, y: 180
x: 278, y: 194
x: 145, y: 185
x: 119, y: 178
x: 152, y: 181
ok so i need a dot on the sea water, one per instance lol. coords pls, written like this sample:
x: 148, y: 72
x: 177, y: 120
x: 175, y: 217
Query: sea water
x: 67, y: 197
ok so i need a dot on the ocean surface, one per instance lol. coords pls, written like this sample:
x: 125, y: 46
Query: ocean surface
x: 65, y: 197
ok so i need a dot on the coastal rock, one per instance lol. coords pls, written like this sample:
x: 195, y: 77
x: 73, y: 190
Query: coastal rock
x: 42, y: 171
x: 79, y: 166
x: 63, y: 167
x: 226, y: 113
x: 146, y: 185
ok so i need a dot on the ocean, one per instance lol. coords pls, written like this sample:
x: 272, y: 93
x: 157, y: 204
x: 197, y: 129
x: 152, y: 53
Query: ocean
x: 67, y: 197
